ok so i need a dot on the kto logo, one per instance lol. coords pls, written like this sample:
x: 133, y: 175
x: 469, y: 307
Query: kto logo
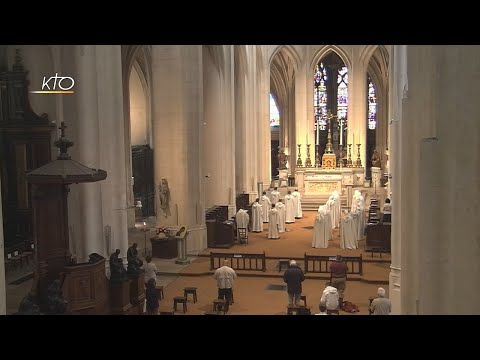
x: 56, y: 85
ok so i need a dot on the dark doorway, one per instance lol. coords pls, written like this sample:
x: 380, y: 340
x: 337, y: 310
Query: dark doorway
x: 143, y: 186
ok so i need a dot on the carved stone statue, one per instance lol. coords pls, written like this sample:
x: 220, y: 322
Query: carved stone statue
x: 134, y: 263
x: 164, y: 193
x: 376, y: 160
x: 117, y: 271
x: 282, y: 160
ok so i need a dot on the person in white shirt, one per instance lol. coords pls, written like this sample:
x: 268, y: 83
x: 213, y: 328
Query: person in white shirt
x: 330, y: 297
x: 387, y: 207
x: 266, y: 204
x: 274, y: 196
x: 150, y: 269
x: 225, y: 277
x: 257, y: 223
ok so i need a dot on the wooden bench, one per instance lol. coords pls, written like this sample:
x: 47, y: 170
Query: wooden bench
x: 376, y: 249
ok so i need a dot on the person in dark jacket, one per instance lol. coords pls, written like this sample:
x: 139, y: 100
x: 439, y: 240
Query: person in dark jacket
x: 294, y: 277
x: 152, y: 298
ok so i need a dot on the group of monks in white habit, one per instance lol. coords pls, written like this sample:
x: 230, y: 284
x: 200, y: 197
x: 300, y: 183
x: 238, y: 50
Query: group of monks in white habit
x: 329, y: 217
x: 274, y: 211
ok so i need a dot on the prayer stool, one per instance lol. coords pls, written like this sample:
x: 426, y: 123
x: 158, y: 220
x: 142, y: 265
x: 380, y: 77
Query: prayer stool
x: 160, y: 292
x: 283, y: 262
x: 220, y: 305
x: 333, y: 312
x: 190, y: 290
x: 293, y: 309
x: 180, y: 300
x: 166, y: 313
x: 304, y: 299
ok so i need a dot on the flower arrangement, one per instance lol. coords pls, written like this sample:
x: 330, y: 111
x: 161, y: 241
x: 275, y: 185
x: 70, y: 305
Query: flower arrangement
x: 162, y: 229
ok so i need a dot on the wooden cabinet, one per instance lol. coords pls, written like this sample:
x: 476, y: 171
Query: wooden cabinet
x: 378, y: 236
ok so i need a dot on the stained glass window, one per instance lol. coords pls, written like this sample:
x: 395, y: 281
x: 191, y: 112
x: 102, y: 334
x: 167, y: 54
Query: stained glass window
x: 320, y: 96
x: 342, y: 93
x: 372, y: 105
x: 274, y: 114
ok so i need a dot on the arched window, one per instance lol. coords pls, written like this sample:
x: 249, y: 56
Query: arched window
x: 330, y: 97
x: 372, y: 105
x: 320, y: 96
x: 274, y: 113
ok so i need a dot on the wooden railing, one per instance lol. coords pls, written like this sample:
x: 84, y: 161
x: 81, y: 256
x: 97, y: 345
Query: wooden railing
x: 321, y: 264
x: 255, y: 262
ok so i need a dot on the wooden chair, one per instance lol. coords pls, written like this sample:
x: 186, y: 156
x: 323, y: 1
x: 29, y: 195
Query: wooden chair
x: 282, y: 263
x: 293, y: 309
x: 160, y: 292
x: 243, y: 235
x: 220, y: 305
x: 304, y: 299
x: 333, y: 312
x: 180, y: 300
x: 190, y: 290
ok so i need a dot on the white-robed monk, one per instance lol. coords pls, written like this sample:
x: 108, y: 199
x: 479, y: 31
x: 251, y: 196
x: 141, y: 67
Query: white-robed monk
x: 355, y: 198
x: 297, y: 200
x: 257, y: 223
x: 320, y: 241
x: 274, y: 196
x: 289, y: 208
x: 242, y: 219
x: 266, y: 205
x: 273, y: 223
x: 280, y: 206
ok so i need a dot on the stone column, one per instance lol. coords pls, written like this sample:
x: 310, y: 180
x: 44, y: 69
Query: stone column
x: 394, y: 184
x: 264, y: 139
x: 218, y: 126
x: 357, y: 110
x: 112, y: 157
x: 3, y: 292
x: 252, y: 121
x: 89, y: 227
x: 448, y: 218
x: 177, y: 87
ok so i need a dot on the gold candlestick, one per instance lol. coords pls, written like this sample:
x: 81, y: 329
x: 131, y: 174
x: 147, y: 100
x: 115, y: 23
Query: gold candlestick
x: 308, y: 162
x: 318, y: 163
x: 299, y: 159
x: 359, y: 161
x: 349, y: 160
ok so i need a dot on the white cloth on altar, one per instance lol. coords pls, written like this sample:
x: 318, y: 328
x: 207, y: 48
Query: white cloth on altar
x: 257, y: 223
x: 319, y: 241
x: 242, y: 219
x: 297, y: 201
x: 273, y: 224
x: 280, y: 206
x: 274, y: 196
x: 289, y: 209
x: 266, y: 205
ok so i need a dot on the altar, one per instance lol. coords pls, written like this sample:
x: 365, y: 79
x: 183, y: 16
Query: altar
x: 318, y: 181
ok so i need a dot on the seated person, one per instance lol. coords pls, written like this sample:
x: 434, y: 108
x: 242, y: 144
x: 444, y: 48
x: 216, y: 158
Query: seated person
x: 381, y: 305
x: 387, y: 207
x: 330, y: 297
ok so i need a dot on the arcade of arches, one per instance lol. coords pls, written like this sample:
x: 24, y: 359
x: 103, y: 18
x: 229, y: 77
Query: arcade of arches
x: 199, y: 117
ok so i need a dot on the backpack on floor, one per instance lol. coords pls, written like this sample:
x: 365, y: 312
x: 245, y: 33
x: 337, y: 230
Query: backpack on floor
x: 350, y: 307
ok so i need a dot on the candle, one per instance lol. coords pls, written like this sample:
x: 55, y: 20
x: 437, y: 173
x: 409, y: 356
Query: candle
x: 318, y: 132
x: 341, y: 132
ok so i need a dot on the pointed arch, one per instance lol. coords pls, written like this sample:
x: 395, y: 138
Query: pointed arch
x: 324, y: 51
x: 290, y: 51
